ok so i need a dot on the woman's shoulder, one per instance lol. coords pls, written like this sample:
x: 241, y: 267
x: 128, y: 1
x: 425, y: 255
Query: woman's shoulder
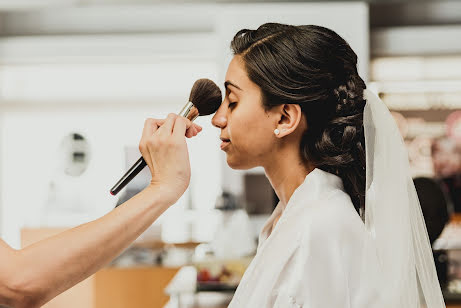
x: 334, y: 219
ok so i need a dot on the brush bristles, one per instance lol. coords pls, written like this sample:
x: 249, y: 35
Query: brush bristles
x: 206, y: 96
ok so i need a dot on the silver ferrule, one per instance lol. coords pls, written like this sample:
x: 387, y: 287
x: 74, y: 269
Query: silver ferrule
x: 189, y: 111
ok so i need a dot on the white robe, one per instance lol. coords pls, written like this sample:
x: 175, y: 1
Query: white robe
x: 314, y: 257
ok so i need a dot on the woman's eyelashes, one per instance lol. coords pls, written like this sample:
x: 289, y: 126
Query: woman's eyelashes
x: 230, y: 104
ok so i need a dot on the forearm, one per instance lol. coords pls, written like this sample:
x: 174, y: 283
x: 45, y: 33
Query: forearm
x: 51, y: 266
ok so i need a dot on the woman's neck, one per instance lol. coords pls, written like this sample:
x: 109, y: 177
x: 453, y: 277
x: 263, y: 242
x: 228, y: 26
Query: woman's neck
x: 285, y: 173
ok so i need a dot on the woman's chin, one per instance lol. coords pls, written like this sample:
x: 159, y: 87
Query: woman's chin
x: 238, y: 164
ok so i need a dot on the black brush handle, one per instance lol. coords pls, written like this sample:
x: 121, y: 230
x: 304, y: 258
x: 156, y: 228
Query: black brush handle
x: 128, y: 176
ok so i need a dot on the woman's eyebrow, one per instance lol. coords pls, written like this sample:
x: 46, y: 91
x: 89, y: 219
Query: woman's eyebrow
x: 228, y: 83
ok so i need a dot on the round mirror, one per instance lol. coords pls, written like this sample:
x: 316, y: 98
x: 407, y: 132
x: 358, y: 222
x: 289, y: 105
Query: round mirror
x: 75, y: 154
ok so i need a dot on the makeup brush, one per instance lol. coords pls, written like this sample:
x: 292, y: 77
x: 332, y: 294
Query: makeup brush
x: 205, y: 98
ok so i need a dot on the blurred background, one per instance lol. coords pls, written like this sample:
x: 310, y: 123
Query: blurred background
x: 78, y: 78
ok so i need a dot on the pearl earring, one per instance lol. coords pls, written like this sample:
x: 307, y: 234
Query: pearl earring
x: 276, y: 131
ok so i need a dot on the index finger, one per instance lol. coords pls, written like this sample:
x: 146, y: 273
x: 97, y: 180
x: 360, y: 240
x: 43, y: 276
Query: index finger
x: 167, y: 127
x: 180, y: 126
x: 150, y: 127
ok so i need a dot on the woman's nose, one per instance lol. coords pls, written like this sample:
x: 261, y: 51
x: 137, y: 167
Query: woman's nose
x: 219, y: 119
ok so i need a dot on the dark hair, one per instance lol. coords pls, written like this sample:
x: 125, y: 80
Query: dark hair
x: 314, y: 67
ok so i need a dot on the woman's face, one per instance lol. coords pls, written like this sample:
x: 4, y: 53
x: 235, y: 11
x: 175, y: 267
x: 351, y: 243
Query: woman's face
x: 243, y: 121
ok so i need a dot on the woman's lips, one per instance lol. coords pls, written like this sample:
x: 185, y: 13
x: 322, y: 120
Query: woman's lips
x: 224, y: 144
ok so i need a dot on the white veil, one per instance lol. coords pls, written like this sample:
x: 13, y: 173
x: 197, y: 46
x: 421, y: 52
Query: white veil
x: 393, y: 216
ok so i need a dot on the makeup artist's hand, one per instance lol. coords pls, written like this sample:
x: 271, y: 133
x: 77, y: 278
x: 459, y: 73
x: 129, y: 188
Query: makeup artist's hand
x: 164, y: 148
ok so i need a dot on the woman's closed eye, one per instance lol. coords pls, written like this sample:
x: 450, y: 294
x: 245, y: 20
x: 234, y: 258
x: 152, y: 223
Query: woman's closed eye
x: 232, y: 104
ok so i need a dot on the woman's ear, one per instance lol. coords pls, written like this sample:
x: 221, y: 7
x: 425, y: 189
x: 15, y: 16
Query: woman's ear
x: 290, y: 117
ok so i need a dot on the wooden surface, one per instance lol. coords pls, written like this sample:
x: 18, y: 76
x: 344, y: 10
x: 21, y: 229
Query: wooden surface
x: 132, y: 287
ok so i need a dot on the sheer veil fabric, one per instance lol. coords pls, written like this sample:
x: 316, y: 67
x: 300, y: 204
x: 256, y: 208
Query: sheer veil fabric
x: 394, y: 219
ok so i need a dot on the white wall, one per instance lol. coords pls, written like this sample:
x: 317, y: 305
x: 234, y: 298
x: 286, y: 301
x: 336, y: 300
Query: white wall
x: 105, y: 99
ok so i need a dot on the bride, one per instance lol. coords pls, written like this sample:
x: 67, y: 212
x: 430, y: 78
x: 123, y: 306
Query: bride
x: 348, y: 230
